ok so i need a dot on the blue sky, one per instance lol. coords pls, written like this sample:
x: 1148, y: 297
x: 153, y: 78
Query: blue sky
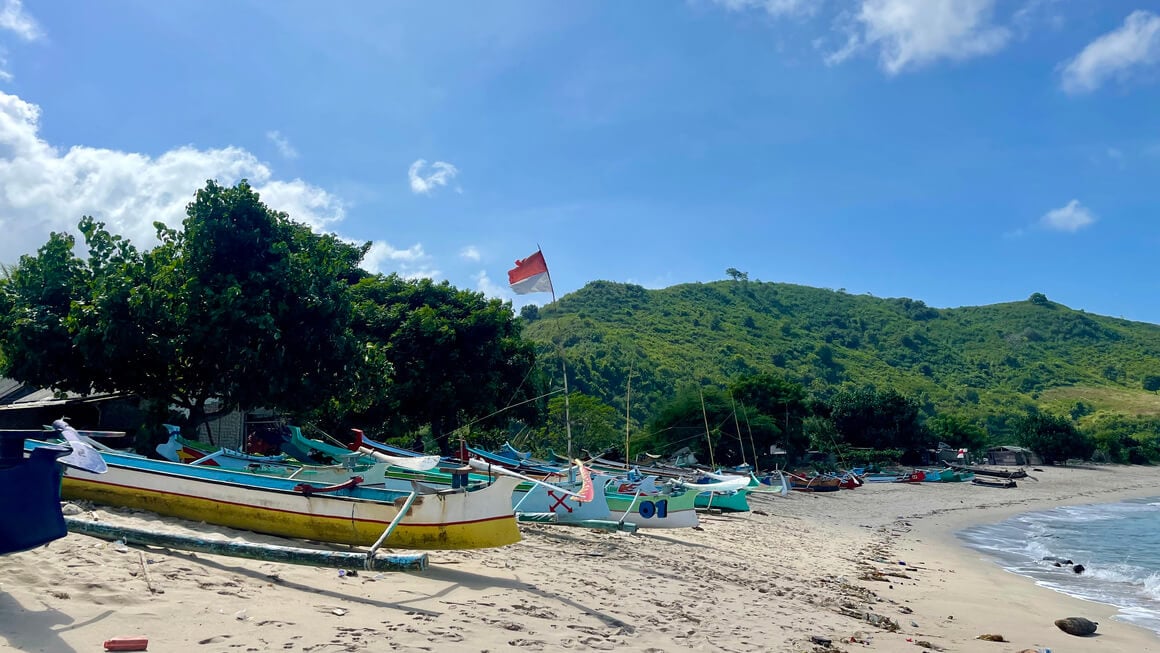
x: 960, y: 152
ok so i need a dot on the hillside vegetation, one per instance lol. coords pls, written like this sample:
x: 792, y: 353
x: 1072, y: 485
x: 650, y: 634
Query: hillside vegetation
x: 986, y: 363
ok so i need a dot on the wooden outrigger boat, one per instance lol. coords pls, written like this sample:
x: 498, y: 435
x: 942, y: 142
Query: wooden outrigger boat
x: 802, y: 483
x: 643, y: 504
x: 181, y: 450
x: 555, y: 503
x: 773, y: 483
x: 515, y: 464
x: 997, y: 473
x: 917, y: 476
x: 939, y: 475
x: 995, y: 482
x: 464, y: 518
x: 663, y: 509
x: 724, y: 492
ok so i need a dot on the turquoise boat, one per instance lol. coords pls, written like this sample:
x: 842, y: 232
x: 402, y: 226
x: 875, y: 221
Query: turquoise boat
x: 735, y: 502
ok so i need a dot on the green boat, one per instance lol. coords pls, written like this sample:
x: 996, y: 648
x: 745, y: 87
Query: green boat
x: 735, y: 502
x: 667, y: 508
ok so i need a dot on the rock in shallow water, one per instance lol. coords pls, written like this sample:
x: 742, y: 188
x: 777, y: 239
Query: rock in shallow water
x: 1076, y: 626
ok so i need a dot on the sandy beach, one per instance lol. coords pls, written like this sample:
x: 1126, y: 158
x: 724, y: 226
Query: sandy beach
x: 795, y: 568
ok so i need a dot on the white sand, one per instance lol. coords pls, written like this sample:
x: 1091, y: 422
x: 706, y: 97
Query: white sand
x: 751, y: 582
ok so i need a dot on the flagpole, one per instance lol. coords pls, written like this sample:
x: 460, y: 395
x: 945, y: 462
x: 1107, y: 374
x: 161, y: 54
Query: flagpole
x: 563, y: 364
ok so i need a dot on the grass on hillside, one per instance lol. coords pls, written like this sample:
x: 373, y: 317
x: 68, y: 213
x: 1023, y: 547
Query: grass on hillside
x: 1114, y: 400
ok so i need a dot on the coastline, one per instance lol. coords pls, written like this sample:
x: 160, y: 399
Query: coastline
x: 1003, y: 602
x: 769, y: 580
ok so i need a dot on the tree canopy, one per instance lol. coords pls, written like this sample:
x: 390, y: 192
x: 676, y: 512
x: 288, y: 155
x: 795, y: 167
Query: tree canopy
x: 242, y: 307
x: 1055, y: 438
x: 456, y: 357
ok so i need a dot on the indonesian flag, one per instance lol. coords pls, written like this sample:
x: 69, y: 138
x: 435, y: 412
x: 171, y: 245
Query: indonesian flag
x: 530, y: 275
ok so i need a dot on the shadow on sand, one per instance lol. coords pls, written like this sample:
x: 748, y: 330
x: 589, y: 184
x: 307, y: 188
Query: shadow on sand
x: 476, y: 582
x: 40, y: 629
x: 266, y: 578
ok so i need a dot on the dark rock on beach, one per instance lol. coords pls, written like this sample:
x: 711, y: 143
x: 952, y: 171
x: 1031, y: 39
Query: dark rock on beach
x: 1077, y: 569
x: 1077, y: 626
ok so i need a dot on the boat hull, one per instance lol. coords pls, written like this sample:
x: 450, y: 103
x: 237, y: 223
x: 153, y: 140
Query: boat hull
x: 481, y: 518
x: 541, y: 499
x: 654, y: 510
x: 736, y: 502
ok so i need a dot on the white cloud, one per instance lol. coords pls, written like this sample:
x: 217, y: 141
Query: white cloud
x: 910, y: 34
x: 13, y: 19
x: 1070, y: 218
x: 471, y: 253
x: 441, y: 173
x: 5, y: 76
x: 489, y: 288
x: 772, y: 7
x: 1118, y: 54
x: 1036, y: 12
x: 43, y: 188
x: 282, y: 144
x: 410, y: 263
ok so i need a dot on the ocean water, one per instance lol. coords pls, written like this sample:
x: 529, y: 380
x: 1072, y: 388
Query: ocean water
x: 1117, y: 543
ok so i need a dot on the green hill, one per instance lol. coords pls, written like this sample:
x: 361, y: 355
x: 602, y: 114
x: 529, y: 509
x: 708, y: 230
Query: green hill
x: 982, y: 362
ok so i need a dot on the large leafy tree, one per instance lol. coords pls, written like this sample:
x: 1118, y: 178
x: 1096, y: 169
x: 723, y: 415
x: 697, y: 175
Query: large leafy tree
x: 36, y: 297
x: 878, y: 419
x: 457, y: 357
x: 1055, y: 438
x: 957, y: 431
x: 772, y: 407
x: 682, y: 423
x: 241, y: 307
x: 596, y: 426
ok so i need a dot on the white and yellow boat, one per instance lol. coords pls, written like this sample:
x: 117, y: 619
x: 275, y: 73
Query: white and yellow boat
x: 463, y: 518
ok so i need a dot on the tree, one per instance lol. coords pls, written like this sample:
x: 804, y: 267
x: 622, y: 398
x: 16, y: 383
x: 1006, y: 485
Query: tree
x: 241, y: 308
x: 1039, y: 299
x: 681, y: 423
x: 878, y: 419
x: 778, y: 405
x: 35, y: 301
x: 737, y: 275
x: 1152, y: 382
x: 456, y: 356
x: 957, y: 431
x: 596, y: 426
x: 1053, y: 437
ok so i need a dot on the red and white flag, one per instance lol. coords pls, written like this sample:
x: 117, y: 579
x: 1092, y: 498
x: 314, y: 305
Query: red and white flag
x: 587, y: 490
x: 530, y: 275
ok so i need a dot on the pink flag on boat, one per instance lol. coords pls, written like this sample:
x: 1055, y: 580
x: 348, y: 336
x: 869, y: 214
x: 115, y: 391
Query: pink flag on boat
x: 587, y: 490
x: 530, y: 275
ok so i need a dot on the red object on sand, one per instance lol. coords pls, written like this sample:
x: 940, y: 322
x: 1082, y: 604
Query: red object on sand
x: 127, y: 644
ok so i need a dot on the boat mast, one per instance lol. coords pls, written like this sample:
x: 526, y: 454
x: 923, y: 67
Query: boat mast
x: 737, y: 429
x: 712, y: 460
x: 563, y: 365
x: 752, y: 444
x: 627, y: 418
